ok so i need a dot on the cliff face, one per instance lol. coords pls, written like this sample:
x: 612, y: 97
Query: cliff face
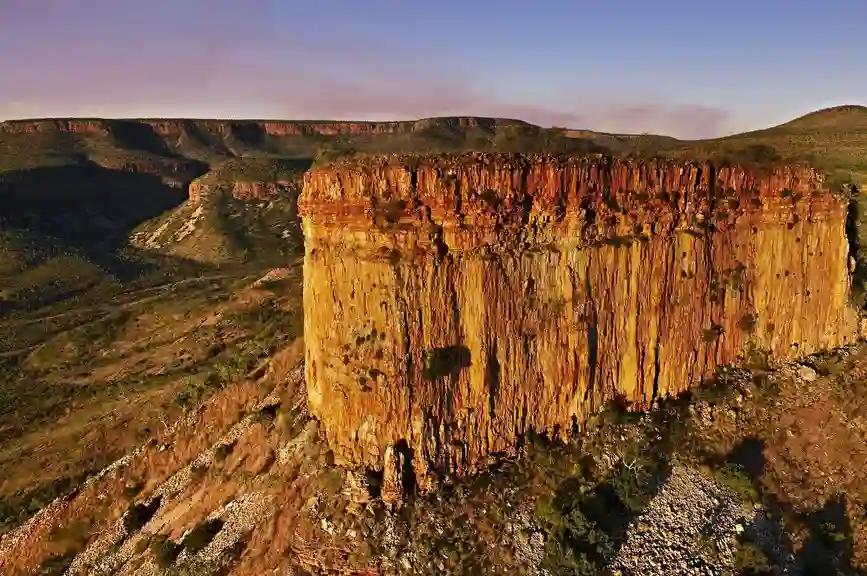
x: 86, y: 126
x: 245, y: 191
x: 249, y: 128
x: 452, y: 305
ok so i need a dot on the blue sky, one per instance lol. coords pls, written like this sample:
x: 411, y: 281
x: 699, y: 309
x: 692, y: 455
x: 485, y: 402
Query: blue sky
x: 688, y: 69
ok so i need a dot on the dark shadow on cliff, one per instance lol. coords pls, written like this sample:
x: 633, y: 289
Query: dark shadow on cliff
x: 133, y: 135
x: 86, y: 206
x: 406, y: 468
x: 856, y: 233
x: 445, y: 361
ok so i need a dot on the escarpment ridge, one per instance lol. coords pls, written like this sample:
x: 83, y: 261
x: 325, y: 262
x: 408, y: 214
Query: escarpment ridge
x: 250, y: 128
x: 454, y: 304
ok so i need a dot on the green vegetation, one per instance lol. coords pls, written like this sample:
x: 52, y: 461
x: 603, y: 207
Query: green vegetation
x: 102, y: 344
x: 751, y: 561
x: 734, y: 477
x: 164, y: 551
x: 577, y: 545
x: 18, y: 507
x: 833, y: 140
x: 201, y: 535
x: 131, y: 356
x: 139, y: 514
x: 256, y: 169
x: 222, y: 451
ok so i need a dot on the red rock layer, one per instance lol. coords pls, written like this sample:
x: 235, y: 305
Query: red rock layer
x: 454, y: 304
x: 244, y: 191
x: 277, y: 128
x: 55, y: 125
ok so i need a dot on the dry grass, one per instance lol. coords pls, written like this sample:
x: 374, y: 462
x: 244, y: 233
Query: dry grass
x: 86, y: 395
x: 102, y: 503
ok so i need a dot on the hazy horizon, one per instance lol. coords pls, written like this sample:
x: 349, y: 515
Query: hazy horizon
x: 669, y: 67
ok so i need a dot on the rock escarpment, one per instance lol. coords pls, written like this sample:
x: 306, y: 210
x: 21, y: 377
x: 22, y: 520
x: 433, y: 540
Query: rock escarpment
x: 244, y: 191
x: 246, y: 129
x: 455, y: 304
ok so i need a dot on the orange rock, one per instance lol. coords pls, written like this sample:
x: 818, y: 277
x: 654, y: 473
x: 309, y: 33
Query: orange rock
x: 249, y: 191
x: 455, y: 304
x: 174, y: 128
x: 95, y: 126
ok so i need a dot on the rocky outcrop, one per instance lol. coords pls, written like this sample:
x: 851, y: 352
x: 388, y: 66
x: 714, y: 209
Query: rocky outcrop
x: 454, y: 305
x: 244, y: 191
x: 85, y: 126
x: 253, y: 191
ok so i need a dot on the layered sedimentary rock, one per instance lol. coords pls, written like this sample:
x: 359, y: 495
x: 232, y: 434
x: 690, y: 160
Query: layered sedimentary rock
x: 245, y: 191
x: 248, y: 128
x: 455, y: 304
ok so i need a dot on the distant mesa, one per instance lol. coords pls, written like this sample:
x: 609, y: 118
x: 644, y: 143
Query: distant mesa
x: 173, y: 127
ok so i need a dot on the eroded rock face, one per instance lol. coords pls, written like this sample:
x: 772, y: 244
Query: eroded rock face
x: 244, y: 191
x: 172, y: 128
x: 454, y: 304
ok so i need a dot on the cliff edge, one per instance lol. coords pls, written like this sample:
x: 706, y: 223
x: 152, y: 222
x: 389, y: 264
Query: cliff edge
x: 455, y: 304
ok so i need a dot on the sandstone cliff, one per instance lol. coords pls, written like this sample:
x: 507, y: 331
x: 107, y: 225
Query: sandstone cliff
x: 454, y: 305
x: 176, y: 127
x: 245, y: 191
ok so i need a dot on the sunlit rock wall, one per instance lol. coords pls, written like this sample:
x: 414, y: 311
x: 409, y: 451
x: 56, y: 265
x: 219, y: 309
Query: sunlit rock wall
x: 453, y: 304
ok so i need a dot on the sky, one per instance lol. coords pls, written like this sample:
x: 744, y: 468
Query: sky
x: 689, y: 69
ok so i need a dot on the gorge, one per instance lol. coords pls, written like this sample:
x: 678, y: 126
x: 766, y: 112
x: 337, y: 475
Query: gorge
x: 455, y: 304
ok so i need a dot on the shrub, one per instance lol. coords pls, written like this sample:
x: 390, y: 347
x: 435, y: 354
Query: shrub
x: 756, y: 359
x: 751, y: 561
x: 576, y: 545
x: 202, y: 535
x: 131, y: 489
x: 140, y: 514
x: 165, y: 551
x: 56, y: 564
x: 228, y: 371
x: 734, y: 478
x: 222, y: 451
x: 617, y: 411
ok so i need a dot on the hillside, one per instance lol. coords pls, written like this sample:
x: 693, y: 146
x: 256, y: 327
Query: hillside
x: 157, y: 145
x: 833, y: 140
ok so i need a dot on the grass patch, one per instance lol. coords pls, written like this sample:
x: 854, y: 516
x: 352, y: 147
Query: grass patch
x: 734, y: 478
